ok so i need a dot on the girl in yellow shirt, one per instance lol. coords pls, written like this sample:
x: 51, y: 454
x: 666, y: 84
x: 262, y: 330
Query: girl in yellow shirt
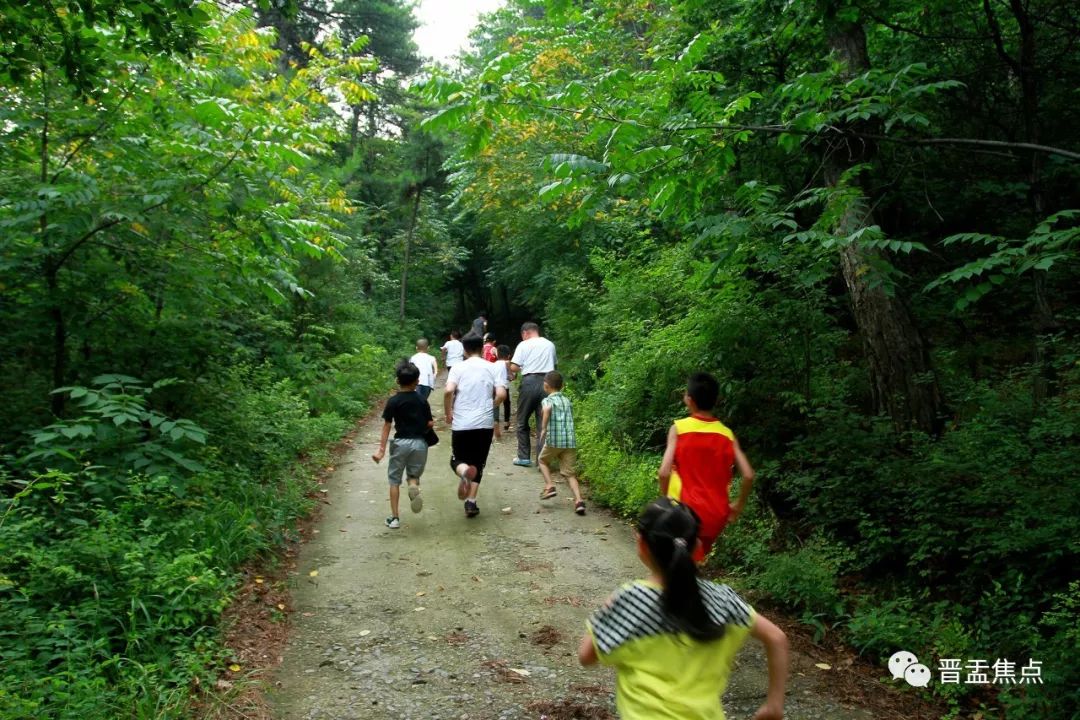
x: 672, y: 637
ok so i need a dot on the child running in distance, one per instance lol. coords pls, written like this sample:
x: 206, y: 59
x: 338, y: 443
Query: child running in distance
x: 697, y: 466
x: 504, y: 360
x: 410, y: 414
x: 672, y: 637
x: 558, y: 440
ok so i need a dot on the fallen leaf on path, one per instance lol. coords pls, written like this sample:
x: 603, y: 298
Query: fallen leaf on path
x: 365, y: 633
x: 234, y: 667
x: 823, y: 666
x: 281, y: 606
x: 307, y: 614
x: 521, y: 671
x: 419, y: 609
x: 314, y: 573
x: 476, y: 579
x: 421, y: 594
x: 259, y: 580
x: 507, y: 511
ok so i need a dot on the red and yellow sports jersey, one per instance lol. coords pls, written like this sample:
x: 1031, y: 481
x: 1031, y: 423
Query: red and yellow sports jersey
x: 701, y: 477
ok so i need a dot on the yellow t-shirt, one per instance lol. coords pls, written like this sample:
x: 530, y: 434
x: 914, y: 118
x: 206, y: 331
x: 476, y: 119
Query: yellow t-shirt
x: 661, y: 672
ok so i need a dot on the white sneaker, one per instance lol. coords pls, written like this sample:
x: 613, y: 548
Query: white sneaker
x: 415, y: 501
x: 393, y: 523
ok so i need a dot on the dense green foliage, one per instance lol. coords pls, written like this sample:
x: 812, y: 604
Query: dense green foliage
x: 199, y: 256
x: 218, y: 225
x: 862, y: 218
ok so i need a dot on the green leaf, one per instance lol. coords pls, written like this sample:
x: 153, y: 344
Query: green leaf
x: 212, y: 112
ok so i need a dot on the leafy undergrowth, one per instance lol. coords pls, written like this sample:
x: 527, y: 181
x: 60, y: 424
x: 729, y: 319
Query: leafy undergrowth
x: 128, y: 536
x: 950, y: 547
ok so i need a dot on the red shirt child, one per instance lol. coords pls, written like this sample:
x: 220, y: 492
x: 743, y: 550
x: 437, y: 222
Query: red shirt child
x: 490, y: 353
x: 698, y: 461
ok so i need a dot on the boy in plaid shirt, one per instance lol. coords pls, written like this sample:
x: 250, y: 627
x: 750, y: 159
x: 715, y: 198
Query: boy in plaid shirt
x: 557, y: 439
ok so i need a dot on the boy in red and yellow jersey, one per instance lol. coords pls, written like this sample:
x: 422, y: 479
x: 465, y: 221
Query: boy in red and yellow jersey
x: 698, y: 461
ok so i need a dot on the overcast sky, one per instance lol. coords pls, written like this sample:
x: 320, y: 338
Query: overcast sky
x: 445, y: 25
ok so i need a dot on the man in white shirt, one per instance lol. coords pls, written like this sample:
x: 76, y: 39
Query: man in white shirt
x: 428, y: 366
x: 533, y: 358
x: 452, y: 351
x: 473, y: 390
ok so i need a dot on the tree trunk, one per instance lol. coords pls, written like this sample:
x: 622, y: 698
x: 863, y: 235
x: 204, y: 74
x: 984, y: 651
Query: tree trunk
x: 50, y: 268
x: 1043, y: 321
x: 902, y: 381
x: 1024, y: 65
x: 408, y: 249
x: 354, y: 128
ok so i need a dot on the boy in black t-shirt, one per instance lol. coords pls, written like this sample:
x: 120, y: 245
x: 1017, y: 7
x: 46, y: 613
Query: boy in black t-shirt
x: 411, y: 415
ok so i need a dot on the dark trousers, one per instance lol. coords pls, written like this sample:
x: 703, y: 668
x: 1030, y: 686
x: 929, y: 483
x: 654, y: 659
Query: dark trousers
x: 424, y: 391
x: 470, y: 447
x: 530, y: 396
x: 506, y: 410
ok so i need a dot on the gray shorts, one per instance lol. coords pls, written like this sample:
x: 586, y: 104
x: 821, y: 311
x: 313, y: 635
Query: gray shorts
x: 409, y: 456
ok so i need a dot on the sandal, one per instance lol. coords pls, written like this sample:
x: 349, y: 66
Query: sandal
x: 548, y: 493
x: 579, y: 508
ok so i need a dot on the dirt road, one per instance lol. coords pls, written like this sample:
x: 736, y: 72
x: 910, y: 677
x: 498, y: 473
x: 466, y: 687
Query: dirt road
x: 470, y: 619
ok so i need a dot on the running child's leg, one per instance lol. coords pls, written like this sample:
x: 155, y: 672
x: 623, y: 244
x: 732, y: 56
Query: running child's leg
x: 567, y: 468
x: 545, y: 470
x: 414, y: 468
x: 394, y: 470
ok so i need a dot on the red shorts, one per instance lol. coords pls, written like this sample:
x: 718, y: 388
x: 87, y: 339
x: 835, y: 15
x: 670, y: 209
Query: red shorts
x: 708, y: 532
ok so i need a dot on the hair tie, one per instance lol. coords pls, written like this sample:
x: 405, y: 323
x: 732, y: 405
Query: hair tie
x: 680, y: 542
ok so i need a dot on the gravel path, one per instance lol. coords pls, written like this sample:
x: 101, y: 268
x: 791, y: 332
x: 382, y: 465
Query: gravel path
x: 470, y: 619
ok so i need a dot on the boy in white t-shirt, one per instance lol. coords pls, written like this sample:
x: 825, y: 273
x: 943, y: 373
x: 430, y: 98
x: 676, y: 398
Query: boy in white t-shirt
x: 502, y: 366
x: 452, y: 350
x: 428, y: 367
x: 473, y: 391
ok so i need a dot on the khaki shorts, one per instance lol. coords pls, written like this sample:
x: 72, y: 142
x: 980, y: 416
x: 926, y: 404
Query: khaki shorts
x: 565, y: 457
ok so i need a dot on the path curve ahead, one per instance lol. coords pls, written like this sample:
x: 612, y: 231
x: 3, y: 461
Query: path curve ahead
x: 469, y: 619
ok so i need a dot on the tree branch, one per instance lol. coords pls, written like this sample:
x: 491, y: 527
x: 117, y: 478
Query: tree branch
x: 116, y: 221
x: 995, y: 31
x: 832, y: 130
x: 93, y: 133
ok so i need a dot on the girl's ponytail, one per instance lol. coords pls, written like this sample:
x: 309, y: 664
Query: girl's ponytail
x: 670, y: 532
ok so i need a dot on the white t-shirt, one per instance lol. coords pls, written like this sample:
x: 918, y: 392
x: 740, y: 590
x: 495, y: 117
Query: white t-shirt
x: 502, y: 374
x: 535, y: 355
x: 426, y: 364
x: 455, y: 352
x: 476, y: 380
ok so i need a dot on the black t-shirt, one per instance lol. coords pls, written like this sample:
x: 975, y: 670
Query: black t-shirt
x: 410, y: 414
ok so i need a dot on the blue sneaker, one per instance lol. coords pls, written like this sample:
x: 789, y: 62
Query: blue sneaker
x: 522, y: 462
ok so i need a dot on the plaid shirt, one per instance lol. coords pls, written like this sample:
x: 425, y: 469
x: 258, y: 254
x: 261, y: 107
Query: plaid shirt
x: 560, y: 429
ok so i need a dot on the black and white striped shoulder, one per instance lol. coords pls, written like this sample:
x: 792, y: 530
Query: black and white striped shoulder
x: 636, y: 611
x: 724, y: 604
